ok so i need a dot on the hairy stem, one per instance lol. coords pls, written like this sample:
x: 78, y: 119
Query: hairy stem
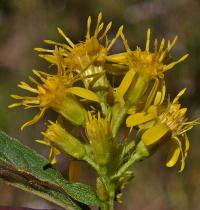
x: 134, y: 158
x: 110, y: 187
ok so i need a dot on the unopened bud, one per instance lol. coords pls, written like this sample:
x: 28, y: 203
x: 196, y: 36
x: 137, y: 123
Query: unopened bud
x: 64, y: 141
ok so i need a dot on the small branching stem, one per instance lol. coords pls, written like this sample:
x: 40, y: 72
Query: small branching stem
x: 134, y: 158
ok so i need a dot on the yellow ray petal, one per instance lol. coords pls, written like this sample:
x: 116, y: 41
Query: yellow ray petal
x: 125, y: 41
x: 187, y: 143
x: 117, y: 58
x: 98, y: 23
x: 17, y: 97
x: 170, y: 45
x: 49, y: 58
x: 138, y: 118
x: 89, y: 20
x: 43, y: 142
x: 83, y: 93
x: 119, y: 32
x: 157, y: 98
x: 156, y: 45
x: 60, y: 31
x: 154, y: 134
x: 160, y: 95
x: 163, y: 92
x: 100, y: 28
x: 39, y: 49
x: 106, y: 30
x: 25, y: 86
x: 152, y: 94
x: 171, y: 65
x: 41, y: 75
x: 179, y: 95
x: 162, y: 44
x: 125, y: 83
x: 15, y: 105
x: 58, y: 44
x: 173, y: 154
x: 153, y: 110
x: 148, y: 39
x: 179, y: 144
x: 53, y: 154
x: 34, y: 80
x: 35, y: 119
x: 182, y: 165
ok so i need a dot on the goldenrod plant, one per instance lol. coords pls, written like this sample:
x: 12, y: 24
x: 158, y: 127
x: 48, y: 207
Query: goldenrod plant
x: 119, y: 103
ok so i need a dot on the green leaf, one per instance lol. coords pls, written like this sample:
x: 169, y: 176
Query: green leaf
x: 24, y: 168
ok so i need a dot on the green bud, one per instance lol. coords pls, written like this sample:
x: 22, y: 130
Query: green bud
x: 72, y: 110
x: 64, y: 141
x: 99, y: 132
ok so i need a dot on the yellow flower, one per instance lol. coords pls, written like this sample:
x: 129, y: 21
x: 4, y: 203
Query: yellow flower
x: 152, y: 64
x: 162, y: 122
x: 148, y: 64
x: 87, y: 57
x: 61, y: 141
x: 99, y: 133
x: 55, y: 92
x: 144, y: 66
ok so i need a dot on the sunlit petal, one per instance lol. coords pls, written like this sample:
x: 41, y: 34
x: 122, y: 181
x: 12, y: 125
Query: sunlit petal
x: 83, y: 93
x: 173, y: 154
x: 138, y: 118
x: 153, y: 135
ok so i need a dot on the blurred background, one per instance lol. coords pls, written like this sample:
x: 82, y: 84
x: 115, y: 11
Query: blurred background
x: 23, y: 26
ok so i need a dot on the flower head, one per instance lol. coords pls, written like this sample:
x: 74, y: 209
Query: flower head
x: 144, y: 66
x: 87, y: 57
x: 162, y: 122
x: 152, y: 64
x: 79, y: 56
x: 55, y: 92
x: 50, y: 93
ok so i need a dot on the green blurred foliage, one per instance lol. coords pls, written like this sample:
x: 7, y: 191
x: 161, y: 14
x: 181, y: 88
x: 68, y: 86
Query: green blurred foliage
x: 23, y: 26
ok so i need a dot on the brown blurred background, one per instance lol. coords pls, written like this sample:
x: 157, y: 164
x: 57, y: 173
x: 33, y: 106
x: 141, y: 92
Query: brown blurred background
x: 23, y: 26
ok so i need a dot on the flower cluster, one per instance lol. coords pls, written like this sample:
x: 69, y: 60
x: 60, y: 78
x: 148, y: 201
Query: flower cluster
x: 82, y: 93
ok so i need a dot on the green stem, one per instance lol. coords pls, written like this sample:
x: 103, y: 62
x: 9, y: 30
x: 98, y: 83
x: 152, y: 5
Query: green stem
x: 110, y: 187
x: 129, y: 147
x: 119, y: 112
x: 91, y: 163
x: 134, y: 158
x: 111, y: 200
x: 133, y: 143
x: 103, y: 101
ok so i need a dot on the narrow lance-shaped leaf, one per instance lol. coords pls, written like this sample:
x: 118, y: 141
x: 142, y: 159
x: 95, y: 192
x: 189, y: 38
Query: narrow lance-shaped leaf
x: 24, y: 168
